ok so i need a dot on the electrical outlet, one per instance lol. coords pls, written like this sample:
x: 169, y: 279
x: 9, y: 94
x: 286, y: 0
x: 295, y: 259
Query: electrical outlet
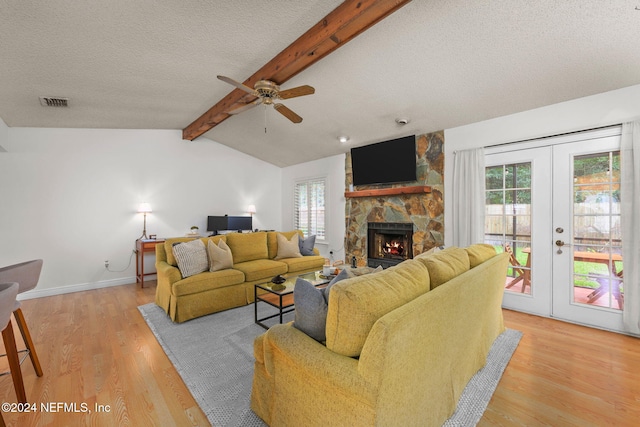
x: 106, y: 264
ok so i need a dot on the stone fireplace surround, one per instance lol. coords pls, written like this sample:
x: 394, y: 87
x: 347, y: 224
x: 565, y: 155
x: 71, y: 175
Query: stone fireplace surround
x: 419, y: 203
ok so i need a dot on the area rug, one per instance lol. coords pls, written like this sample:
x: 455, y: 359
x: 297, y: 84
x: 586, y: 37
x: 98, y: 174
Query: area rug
x: 214, y: 356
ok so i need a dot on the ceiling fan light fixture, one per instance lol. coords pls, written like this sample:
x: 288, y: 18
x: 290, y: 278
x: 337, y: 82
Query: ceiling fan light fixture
x: 343, y: 139
x: 266, y: 93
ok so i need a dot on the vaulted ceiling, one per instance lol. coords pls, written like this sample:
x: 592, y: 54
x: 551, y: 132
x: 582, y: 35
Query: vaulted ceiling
x: 439, y: 63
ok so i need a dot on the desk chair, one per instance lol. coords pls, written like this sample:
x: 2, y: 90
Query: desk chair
x: 8, y: 293
x: 26, y: 274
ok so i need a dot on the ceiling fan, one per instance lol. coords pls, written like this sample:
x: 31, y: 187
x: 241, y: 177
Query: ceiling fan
x: 267, y: 92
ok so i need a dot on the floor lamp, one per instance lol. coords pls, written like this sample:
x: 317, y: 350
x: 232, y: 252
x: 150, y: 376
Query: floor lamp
x: 144, y: 209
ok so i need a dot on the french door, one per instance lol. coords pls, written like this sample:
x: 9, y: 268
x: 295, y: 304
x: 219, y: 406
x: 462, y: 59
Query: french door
x: 556, y: 209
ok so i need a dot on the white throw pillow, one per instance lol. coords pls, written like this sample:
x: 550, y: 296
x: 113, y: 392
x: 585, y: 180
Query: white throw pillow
x: 220, y: 256
x: 288, y: 248
x: 191, y: 257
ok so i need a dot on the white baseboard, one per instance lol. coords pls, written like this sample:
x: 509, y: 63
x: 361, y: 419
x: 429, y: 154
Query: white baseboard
x: 39, y: 293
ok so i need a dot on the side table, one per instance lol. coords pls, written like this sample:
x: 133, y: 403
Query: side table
x: 143, y: 246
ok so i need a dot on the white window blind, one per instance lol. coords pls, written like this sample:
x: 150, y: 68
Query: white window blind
x: 309, y: 207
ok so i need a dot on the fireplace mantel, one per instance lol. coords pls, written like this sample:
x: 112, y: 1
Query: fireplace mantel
x: 420, y: 189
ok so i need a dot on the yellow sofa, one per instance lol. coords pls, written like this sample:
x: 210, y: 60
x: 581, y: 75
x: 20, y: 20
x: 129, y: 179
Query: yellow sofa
x: 210, y: 292
x: 401, y: 345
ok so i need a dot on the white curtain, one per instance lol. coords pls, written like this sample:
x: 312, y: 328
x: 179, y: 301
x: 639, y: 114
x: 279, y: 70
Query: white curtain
x: 630, y: 203
x: 468, y: 197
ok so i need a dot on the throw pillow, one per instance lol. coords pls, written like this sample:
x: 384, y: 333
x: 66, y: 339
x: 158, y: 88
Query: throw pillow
x: 288, y: 248
x: 480, y: 253
x: 345, y: 273
x: 306, y: 245
x: 220, y: 256
x: 445, y: 265
x: 311, y: 310
x: 191, y: 257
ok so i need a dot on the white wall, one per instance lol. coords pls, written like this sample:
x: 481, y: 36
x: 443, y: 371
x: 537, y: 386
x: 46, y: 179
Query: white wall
x: 332, y: 168
x: 69, y: 196
x: 599, y: 110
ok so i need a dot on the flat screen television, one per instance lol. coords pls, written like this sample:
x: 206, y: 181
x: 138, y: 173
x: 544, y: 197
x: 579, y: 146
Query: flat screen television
x: 385, y: 162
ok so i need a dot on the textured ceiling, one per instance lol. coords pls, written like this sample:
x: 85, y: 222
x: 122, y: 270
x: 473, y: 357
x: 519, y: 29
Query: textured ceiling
x: 440, y: 63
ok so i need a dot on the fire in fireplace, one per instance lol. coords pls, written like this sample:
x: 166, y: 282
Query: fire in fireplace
x: 389, y: 243
x: 394, y: 248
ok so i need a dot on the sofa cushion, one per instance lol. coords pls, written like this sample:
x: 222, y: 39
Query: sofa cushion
x: 306, y: 245
x: 310, y: 309
x: 191, y: 257
x: 345, y: 273
x: 303, y: 263
x: 168, y: 245
x: 247, y: 246
x: 206, y: 281
x: 288, y: 247
x: 361, y: 271
x: 272, y: 240
x: 479, y: 253
x: 220, y: 256
x: 445, y: 265
x: 261, y: 269
x: 355, y: 304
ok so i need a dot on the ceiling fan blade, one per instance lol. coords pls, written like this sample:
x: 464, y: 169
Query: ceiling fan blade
x: 297, y: 91
x: 238, y: 85
x: 287, y: 113
x: 245, y: 107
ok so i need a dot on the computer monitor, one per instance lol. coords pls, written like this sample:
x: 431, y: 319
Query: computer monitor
x: 222, y: 223
x: 240, y: 223
x: 217, y: 223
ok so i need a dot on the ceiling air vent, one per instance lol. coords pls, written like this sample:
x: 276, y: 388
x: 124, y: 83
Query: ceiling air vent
x: 49, y: 101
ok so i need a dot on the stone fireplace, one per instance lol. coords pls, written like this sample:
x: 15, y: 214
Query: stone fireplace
x: 389, y: 243
x: 417, y: 204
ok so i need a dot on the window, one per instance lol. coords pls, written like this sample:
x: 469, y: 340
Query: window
x: 507, y: 221
x: 309, y: 207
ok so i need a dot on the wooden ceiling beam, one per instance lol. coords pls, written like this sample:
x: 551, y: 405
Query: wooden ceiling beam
x: 344, y: 23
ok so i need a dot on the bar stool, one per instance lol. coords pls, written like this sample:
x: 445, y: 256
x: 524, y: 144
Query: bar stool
x: 26, y: 274
x: 8, y: 293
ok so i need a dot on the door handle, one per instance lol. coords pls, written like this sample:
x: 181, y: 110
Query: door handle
x: 560, y: 244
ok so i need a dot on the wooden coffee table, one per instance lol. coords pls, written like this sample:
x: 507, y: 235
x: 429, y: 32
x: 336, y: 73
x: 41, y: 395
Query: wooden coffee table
x: 283, y: 300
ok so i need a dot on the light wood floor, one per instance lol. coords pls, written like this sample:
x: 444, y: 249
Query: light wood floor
x: 95, y: 348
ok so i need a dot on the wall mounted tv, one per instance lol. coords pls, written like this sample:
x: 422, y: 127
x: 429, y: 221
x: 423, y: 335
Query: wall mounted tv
x: 222, y: 223
x: 385, y: 162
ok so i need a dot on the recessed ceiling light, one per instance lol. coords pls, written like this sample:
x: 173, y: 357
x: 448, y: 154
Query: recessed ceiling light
x: 402, y: 121
x: 343, y: 139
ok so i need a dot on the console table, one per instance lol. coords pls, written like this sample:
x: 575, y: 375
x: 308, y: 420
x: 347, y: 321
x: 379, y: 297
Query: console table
x: 143, y: 246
